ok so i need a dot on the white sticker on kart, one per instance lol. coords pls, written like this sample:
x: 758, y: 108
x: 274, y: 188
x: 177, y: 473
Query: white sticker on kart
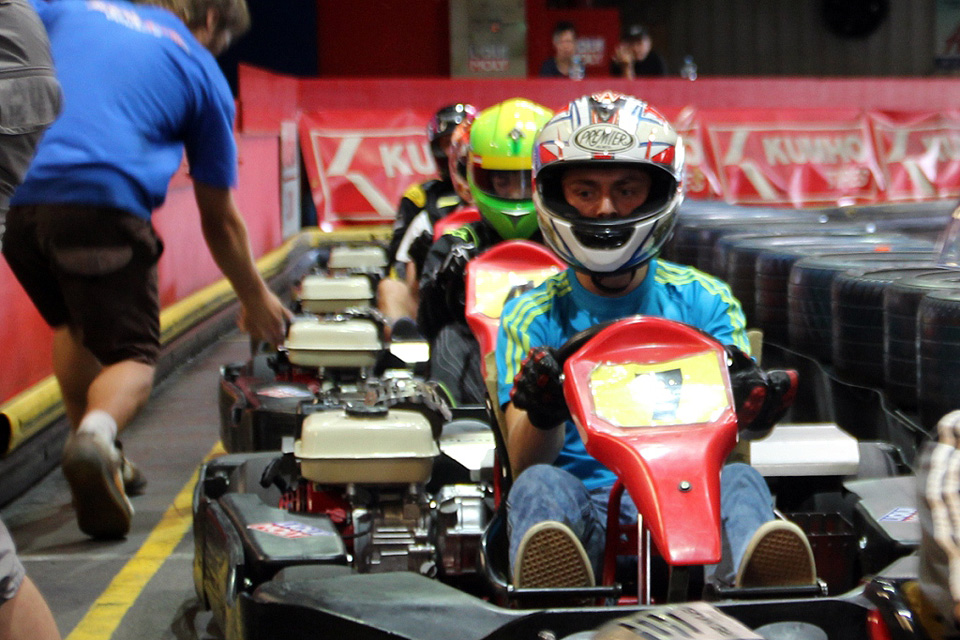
x: 901, y: 514
x: 289, y: 530
x: 283, y: 391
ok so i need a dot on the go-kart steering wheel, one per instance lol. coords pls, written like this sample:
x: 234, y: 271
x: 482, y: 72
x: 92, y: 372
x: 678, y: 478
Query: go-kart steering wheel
x: 577, y: 340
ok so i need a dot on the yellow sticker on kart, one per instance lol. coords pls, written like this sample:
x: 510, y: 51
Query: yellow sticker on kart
x: 688, y: 390
x: 493, y: 288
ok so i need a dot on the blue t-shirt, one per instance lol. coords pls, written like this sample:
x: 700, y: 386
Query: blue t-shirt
x: 137, y: 89
x: 560, y: 307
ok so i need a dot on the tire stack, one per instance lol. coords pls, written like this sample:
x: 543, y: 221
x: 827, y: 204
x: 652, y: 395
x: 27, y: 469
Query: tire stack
x: 699, y: 227
x: 740, y: 263
x: 773, y: 276
x: 938, y: 356
x: 723, y: 246
x: 809, y: 312
x: 925, y: 220
x: 901, y: 302
x: 856, y: 301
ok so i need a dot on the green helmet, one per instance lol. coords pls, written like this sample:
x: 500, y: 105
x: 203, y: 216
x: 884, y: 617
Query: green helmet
x: 499, y: 170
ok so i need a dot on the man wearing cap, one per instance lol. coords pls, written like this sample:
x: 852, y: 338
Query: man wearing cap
x: 635, y: 57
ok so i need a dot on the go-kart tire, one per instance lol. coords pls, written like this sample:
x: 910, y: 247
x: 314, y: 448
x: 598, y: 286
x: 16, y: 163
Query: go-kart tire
x: 938, y: 356
x: 809, y: 316
x: 901, y: 301
x: 856, y: 299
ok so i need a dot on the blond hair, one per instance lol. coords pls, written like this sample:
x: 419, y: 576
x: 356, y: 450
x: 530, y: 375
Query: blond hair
x: 232, y: 15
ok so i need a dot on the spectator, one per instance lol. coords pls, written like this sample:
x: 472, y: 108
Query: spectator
x: 140, y: 84
x: 29, y: 101
x: 24, y: 614
x: 29, y: 93
x: 606, y: 211
x: 565, y: 62
x: 936, y: 598
x: 635, y: 57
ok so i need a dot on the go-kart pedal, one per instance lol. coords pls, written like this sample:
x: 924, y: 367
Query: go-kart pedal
x: 551, y: 556
x: 778, y: 555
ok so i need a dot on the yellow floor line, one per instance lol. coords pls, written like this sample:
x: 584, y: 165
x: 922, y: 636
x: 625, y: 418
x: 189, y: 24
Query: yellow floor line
x: 105, y: 614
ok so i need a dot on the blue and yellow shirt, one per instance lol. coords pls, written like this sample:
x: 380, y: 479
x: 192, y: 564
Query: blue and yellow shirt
x: 560, y: 307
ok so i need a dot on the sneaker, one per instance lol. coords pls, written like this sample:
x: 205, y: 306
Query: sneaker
x: 551, y: 556
x: 134, y: 481
x: 93, y: 468
x: 778, y: 555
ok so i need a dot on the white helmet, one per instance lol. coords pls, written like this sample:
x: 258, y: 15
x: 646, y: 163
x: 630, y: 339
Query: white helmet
x: 607, y: 129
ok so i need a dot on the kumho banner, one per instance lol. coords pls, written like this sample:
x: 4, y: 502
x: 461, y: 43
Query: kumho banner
x: 802, y: 158
x: 699, y: 174
x: 359, y: 162
x: 919, y: 154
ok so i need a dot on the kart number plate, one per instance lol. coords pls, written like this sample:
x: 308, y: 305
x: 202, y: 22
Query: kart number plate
x: 687, y: 390
x: 490, y: 286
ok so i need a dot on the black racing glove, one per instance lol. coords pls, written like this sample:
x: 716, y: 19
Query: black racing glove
x: 451, y: 277
x: 538, y: 389
x: 761, y: 398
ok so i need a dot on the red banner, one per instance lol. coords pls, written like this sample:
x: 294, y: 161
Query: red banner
x: 802, y: 158
x: 919, y: 154
x: 700, y: 177
x: 360, y: 162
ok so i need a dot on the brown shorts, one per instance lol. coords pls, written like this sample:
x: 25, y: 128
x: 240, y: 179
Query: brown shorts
x: 92, y: 268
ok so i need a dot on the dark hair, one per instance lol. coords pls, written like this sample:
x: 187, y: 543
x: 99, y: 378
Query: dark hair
x: 635, y: 32
x: 562, y: 27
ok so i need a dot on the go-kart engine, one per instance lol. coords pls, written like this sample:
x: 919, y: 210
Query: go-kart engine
x: 393, y: 530
x: 367, y: 467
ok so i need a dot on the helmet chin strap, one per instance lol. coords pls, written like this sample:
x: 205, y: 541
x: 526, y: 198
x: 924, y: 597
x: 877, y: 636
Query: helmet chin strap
x: 597, y: 281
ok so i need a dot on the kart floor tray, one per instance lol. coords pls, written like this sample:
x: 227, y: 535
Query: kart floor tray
x: 274, y: 538
x: 383, y: 605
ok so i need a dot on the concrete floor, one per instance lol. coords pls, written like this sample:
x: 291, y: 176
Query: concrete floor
x: 140, y: 587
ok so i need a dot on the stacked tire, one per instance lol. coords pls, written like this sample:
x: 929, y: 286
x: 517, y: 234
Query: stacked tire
x: 938, y: 356
x: 809, y: 310
x: 698, y: 228
x: 901, y: 303
x: 773, y: 278
x: 739, y: 266
x: 856, y: 300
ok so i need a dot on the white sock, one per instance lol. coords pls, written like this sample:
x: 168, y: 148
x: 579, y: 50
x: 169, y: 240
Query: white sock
x: 99, y: 423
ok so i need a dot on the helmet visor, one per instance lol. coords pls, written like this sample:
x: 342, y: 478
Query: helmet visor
x: 633, y: 191
x: 512, y: 185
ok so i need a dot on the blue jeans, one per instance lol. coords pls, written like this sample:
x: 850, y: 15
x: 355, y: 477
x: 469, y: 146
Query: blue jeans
x: 544, y: 492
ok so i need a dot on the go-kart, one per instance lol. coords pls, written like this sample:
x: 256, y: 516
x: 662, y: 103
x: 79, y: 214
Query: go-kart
x: 349, y: 539
x: 342, y: 533
x: 327, y: 359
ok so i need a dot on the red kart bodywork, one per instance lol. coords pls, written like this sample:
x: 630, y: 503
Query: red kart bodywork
x: 670, y: 466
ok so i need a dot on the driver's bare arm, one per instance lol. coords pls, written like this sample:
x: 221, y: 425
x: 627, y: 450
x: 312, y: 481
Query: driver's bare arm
x: 528, y: 445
